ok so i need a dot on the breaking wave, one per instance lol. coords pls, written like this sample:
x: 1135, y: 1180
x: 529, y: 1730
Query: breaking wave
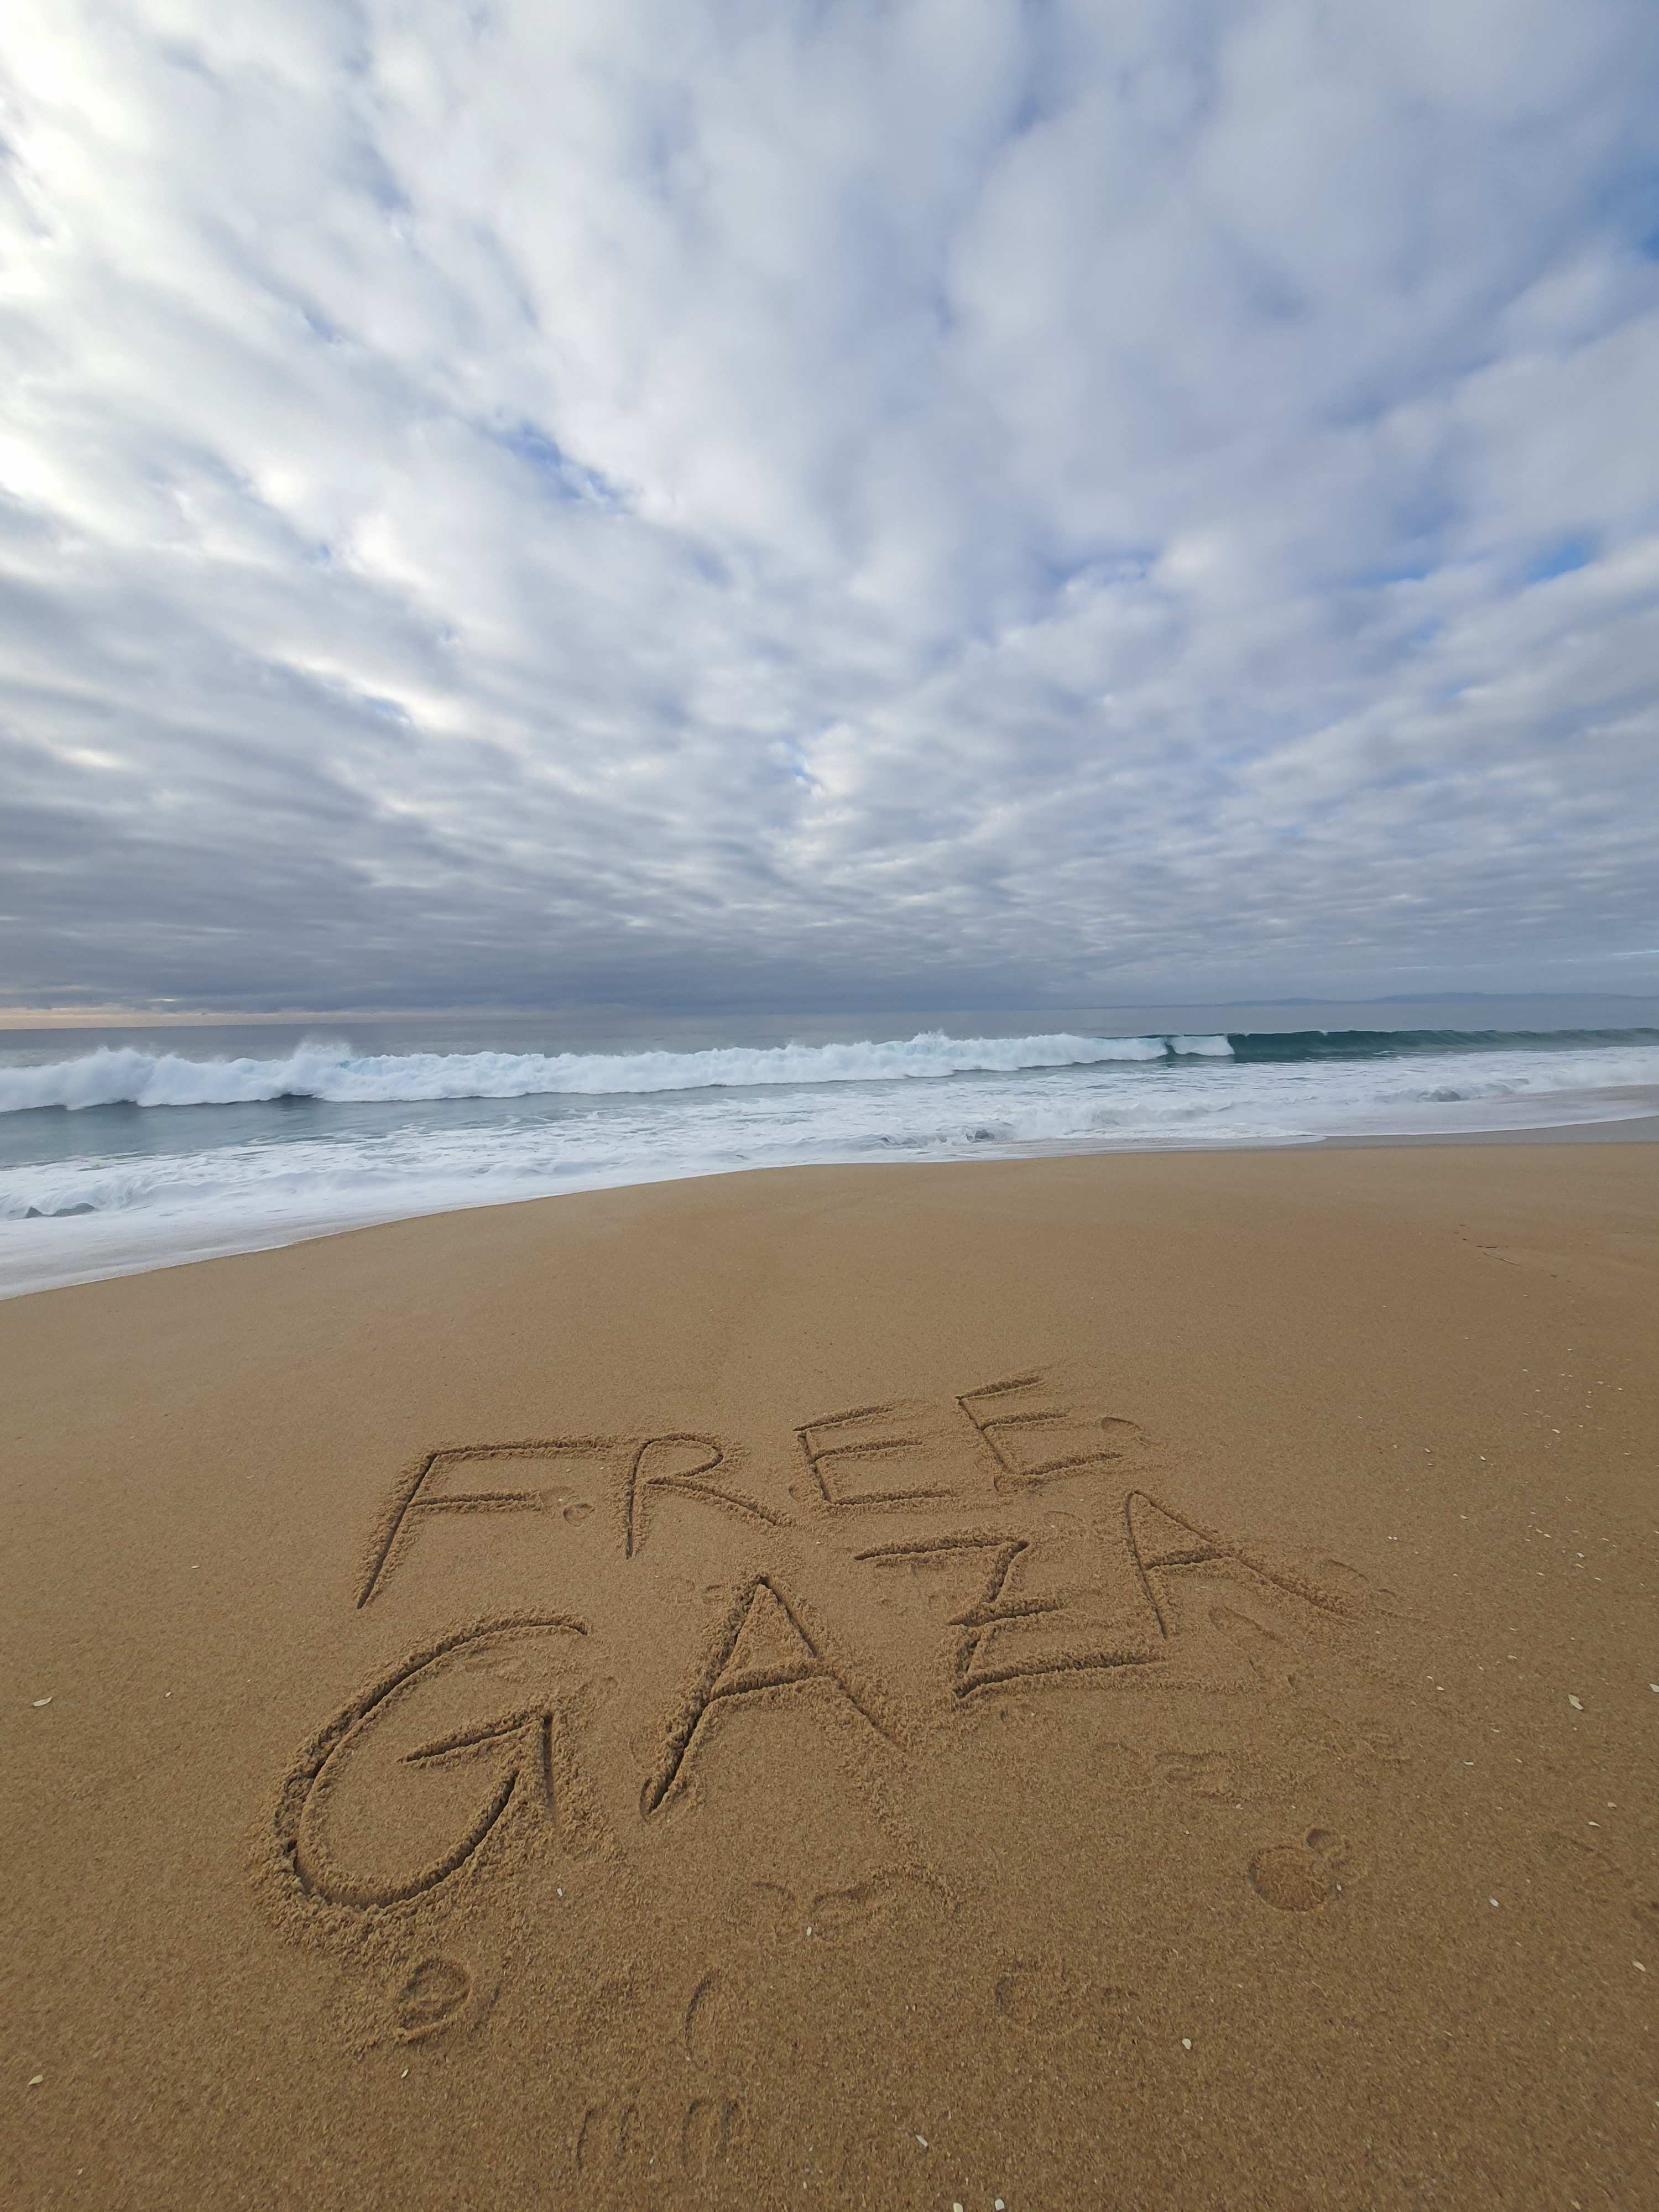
x: 334, y: 1073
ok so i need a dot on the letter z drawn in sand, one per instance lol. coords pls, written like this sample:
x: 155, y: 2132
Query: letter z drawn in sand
x: 972, y: 1668
x: 325, y: 1798
x: 762, y: 1645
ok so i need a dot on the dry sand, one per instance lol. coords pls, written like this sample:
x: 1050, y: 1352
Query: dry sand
x: 1102, y: 1682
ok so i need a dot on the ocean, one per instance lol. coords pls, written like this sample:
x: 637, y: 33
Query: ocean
x: 126, y: 1149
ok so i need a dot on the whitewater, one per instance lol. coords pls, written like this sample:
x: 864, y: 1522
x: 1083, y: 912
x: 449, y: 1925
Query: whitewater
x: 334, y: 1073
x: 124, y: 1158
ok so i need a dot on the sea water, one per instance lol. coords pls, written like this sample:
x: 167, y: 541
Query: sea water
x: 132, y: 1149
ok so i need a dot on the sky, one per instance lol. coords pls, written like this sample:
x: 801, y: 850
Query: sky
x: 921, y: 501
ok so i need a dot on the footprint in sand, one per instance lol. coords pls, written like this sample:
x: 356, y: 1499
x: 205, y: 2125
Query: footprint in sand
x: 1301, y: 1877
x: 1205, y: 1773
x: 429, y: 1999
x: 781, y: 1913
x: 708, y: 2025
x: 1046, y: 1998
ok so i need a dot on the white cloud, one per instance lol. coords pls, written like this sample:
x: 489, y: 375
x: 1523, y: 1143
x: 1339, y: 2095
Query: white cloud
x: 819, y: 501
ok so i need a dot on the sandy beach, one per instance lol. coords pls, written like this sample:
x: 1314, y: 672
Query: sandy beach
x: 1104, y: 1681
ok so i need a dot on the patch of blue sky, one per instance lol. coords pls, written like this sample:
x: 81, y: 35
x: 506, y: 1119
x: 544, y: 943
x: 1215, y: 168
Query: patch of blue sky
x: 940, y: 311
x: 1096, y: 572
x: 553, y: 468
x: 703, y: 560
x: 795, y: 761
x: 1414, y: 570
x: 1559, y: 558
x: 1630, y: 205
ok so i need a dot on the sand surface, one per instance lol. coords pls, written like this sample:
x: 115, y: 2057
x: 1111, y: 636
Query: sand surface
x: 1100, y: 1682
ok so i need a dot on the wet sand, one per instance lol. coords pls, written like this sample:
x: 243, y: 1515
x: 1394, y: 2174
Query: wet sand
x: 1111, y: 1680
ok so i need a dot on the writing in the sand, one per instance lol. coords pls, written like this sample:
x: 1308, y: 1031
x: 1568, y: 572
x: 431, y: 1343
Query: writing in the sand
x: 1023, y: 1439
x: 388, y: 1800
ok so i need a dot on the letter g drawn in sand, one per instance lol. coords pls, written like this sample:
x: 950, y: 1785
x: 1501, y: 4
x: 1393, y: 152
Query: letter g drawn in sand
x: 528, y: 1732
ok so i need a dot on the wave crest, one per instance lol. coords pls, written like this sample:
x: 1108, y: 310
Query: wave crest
x: 126, y: 1077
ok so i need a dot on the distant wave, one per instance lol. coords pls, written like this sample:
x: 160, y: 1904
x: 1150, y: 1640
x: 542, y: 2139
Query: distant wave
x: 1394, y: 1044
x: 333, y: 1072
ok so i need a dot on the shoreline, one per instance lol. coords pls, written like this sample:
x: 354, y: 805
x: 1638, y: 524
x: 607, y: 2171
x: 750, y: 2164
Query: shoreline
x: 1628, y: 1125
x: 804, y: 1676
x: 1631, y: 1129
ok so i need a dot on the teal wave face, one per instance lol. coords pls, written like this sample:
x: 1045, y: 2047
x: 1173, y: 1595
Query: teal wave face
x: 1393, y: 1044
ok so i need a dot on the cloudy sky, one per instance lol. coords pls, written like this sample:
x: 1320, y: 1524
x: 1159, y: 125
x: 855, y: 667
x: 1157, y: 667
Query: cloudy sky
x: 800, y: 502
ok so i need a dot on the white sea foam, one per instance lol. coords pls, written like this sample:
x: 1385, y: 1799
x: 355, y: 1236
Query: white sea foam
x: 333, y: 1072
x: 176, y: 1195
